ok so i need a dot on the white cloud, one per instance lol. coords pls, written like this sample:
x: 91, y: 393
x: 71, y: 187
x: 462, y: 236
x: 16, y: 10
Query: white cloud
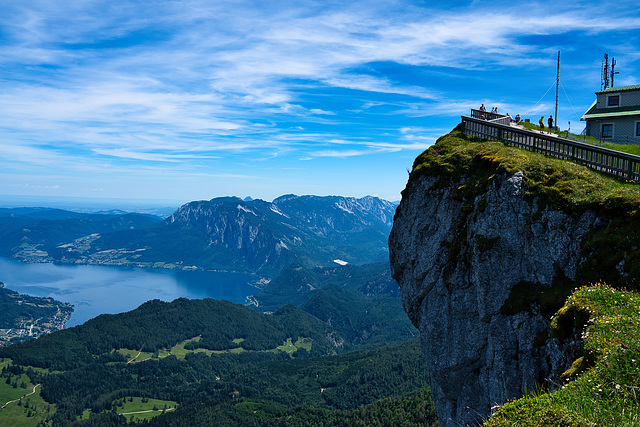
x: 91, y: 84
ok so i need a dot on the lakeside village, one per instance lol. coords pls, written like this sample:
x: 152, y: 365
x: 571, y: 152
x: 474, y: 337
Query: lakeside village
x: 24, y: 317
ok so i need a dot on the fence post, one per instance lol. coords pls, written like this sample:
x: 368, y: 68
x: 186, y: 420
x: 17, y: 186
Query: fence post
x: 630, y: 170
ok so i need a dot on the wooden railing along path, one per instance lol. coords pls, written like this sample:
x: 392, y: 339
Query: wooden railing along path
x: 497, y: 127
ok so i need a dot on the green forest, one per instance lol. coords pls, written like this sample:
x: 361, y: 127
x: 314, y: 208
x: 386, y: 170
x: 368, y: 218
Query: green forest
x: 212, y: 362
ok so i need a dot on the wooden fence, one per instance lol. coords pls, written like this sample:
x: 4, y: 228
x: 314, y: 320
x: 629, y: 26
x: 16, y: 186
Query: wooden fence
x: 623, y: 165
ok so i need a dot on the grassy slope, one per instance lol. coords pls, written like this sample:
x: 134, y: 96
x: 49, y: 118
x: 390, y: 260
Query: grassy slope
x: 603, y: 386
x: 561, y: 183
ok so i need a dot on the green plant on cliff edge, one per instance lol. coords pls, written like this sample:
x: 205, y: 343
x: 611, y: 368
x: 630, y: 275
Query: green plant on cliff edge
x: 602, y: 388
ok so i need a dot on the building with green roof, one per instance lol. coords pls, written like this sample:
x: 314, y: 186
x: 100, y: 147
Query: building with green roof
x: 615, y: 115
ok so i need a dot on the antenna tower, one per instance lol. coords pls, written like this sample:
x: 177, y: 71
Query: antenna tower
x: 613, y: 66
x: 604, y: 82
x: 557, y: 84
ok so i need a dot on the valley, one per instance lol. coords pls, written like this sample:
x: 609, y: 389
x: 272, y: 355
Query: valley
x: 324, y: 335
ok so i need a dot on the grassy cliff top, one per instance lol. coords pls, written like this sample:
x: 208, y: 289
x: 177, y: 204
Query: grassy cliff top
x: 611, y: 253
x: 602, y: 388
x: 560, y: 183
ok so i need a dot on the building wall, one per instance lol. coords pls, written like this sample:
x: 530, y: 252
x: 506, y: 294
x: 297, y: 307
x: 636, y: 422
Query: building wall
x: 624, y: 129
x: 627, y: 98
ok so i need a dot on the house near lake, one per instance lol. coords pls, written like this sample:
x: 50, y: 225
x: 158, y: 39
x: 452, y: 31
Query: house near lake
x: 615, y: 115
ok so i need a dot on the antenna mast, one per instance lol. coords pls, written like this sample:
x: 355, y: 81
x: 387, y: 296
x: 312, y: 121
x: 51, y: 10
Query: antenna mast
x: 604, y: 82
x: 557, y: 84
x: 613, y: 66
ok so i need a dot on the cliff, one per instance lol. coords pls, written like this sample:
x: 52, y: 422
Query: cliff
x: 487, y: 243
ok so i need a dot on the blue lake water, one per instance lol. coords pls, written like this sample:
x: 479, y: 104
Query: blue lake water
x: 94, y: 290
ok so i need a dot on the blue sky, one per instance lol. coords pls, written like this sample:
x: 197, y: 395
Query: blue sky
x: 189, y: 100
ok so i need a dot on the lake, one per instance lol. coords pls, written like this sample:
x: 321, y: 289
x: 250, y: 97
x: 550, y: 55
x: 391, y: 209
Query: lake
x: 94, y: 290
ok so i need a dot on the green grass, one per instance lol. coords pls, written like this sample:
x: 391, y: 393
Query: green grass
x: 8, y: 392
x: 561, y: 183
x: 178, y: 350
x: 602, y: 388
x: 31, y: 411
x: 291, y: 347
x: 134, y: 409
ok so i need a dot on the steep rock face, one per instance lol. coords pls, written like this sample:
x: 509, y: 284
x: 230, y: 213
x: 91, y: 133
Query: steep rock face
x: 457, y: 262
x: 261, y: 237
x: 232, y: 226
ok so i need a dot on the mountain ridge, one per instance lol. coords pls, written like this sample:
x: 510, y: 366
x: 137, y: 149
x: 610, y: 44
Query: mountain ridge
x: 225, y: 234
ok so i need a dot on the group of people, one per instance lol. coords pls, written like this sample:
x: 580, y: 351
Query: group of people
x: 494, y: 110
x: 549, y: 122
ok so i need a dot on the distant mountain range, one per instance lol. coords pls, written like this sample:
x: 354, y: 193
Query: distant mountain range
x: 227, y: 233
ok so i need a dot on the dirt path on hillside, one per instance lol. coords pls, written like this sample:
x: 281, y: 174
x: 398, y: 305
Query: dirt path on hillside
x: 16, y: 400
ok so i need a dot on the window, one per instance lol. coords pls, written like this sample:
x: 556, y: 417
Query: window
x: 637, y: 128
x: 613, y: 101
x: 607, y: 131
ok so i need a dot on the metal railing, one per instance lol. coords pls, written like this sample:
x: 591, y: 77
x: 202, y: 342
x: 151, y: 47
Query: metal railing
x: 623, y: 165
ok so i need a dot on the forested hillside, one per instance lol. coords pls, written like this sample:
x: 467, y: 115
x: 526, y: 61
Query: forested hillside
x: 158, y: 325
x: 40, y: 234
x: 202, y: 357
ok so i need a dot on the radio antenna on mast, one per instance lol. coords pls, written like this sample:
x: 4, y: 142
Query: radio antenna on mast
x: 604, y: 82
x: 613, y: 66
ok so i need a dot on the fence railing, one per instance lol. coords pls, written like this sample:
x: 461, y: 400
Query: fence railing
x: 613, y: 162
x: 491, y: 117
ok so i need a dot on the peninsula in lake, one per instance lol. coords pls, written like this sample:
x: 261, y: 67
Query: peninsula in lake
x: 24, y: 317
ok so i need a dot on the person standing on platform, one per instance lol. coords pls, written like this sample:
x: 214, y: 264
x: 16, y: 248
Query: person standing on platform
x: 541, y: 123
x: 550, y: 123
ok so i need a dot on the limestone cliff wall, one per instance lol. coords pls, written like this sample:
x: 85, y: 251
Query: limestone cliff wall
x: 457, y: 262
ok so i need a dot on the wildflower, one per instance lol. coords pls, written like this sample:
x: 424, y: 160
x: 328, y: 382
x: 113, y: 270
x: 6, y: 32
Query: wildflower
x: 617, y: 386
x: 624, y: 346
x: 606, y: 364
